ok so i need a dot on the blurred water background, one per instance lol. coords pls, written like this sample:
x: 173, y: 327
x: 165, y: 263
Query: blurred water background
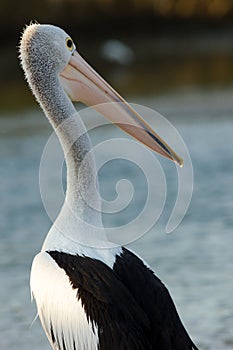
x: 180, y: 65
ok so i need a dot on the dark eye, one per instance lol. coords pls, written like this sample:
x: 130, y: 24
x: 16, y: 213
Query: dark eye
x: 69, y: 44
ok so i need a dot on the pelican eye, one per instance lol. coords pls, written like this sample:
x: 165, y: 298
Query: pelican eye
x: 69, y: 44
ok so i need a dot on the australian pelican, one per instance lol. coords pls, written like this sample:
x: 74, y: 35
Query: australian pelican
x: 92, y: 296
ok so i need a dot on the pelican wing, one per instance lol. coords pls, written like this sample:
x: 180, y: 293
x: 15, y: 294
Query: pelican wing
x: 107, y: 303
x: 166, y: 329
x: 61, y: 312
x: 84, y: 304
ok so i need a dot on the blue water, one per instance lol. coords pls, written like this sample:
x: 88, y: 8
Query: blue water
x: 195, y: 261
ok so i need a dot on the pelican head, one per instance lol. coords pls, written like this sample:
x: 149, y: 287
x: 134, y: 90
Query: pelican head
x: 48, y: 50
x: 45, y: 45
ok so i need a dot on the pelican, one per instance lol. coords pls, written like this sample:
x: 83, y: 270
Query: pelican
x: 91, y: 296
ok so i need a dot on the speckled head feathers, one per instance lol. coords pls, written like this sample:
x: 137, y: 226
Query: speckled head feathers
x: 44, y: 48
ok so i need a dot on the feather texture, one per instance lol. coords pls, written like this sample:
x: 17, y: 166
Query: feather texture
x: 126, y: 306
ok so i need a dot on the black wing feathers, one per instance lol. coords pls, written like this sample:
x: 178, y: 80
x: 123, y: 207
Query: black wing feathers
x: 130, y: 305
x: 166, y: 329
x: 122, y: 324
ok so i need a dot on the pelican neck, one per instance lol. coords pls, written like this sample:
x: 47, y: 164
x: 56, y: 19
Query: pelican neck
x: 82, y: 183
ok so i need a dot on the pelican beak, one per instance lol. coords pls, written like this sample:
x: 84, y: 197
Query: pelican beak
x: 83, y: 84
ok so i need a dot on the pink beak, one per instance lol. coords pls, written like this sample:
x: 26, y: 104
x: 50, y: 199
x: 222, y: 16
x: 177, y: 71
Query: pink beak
x: 83, y: 84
